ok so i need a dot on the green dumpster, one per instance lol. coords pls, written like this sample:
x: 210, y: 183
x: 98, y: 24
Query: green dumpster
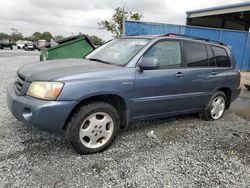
x: 71, y: 47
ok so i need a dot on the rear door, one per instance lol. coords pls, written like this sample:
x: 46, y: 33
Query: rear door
x: 224, y: 68
x: 201, y: 74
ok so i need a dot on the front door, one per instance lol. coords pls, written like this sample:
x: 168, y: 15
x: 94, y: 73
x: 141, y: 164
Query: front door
x: 159, y: 92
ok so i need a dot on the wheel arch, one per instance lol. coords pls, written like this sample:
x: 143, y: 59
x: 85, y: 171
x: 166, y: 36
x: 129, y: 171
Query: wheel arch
x: 117, y: 101
x: 227, y: 91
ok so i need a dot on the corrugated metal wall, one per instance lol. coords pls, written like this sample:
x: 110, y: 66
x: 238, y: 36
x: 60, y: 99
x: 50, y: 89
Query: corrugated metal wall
x: 239, y: 41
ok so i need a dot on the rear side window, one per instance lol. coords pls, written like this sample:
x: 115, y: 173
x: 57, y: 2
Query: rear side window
x: 221, y: 57
x: 195, y: 54
x: 168, y: 53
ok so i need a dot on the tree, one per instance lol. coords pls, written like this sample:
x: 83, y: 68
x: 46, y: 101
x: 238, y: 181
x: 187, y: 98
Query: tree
x: 29, y: 38
x: 47, y: 36
x: 95, y: 40
x: 37, y: 36
x: 16, y: 35
x: 4, y: 36
x: 115, y: 25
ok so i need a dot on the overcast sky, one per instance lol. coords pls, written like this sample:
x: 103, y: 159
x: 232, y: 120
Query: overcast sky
x: 67, y: 17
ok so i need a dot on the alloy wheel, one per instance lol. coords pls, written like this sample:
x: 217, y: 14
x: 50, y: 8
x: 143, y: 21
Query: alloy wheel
x: 96, y: 130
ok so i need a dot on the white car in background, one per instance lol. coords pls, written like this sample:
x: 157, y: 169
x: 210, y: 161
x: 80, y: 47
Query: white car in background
x: 20, y: 44
x: 29, y: 46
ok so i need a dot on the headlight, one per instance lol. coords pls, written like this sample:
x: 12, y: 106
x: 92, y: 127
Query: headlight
x: 45, y: 90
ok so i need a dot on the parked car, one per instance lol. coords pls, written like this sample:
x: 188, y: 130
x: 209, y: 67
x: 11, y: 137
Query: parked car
x: 20, y: 44
x: 125, y: 80
x: 6, y: 43
x: 29, y: 46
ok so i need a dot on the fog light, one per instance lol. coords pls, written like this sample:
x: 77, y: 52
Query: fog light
x: 27, y: 114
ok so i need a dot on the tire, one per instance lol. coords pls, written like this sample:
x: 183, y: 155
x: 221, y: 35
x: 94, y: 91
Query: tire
x: 215, y: 108
x: 87, y: 137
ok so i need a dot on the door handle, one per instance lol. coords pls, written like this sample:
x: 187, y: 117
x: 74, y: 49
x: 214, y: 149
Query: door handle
x: 214, y: 73
x: 179, y: 75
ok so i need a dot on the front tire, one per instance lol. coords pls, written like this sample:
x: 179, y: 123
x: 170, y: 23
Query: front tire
x: 92, y: 128
x: 215, y: 108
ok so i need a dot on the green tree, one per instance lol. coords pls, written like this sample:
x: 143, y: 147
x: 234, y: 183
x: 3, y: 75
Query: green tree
x: 37, y: 36
x: 29, y: 38
x: 115, y: 25
x: 47, y: 36
x: 95, y: 40
x: 4, y: 36
x: 16, y: 35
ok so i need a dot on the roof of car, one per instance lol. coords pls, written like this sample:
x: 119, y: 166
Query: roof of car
x: 177, y: 36
x: 141, y: 36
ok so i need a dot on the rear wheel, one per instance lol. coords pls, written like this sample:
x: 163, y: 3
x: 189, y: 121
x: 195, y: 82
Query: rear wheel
x: 215, y: 108
x: 92, y: 128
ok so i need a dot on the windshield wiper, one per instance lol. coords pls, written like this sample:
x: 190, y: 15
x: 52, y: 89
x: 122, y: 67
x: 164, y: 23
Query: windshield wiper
x: 98, y: 60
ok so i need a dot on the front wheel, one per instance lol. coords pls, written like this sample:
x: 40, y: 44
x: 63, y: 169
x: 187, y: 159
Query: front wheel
x: 215, y: 108
x: 92, y: 128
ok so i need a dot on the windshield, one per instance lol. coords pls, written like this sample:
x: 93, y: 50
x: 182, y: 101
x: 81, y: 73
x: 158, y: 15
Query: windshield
x: 118, y: 51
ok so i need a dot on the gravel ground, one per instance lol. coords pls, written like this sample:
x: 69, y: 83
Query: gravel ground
x: 187, y: 152
x: 245, y: 78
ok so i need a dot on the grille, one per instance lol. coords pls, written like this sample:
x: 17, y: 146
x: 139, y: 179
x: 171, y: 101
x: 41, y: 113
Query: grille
x: 19, y: 83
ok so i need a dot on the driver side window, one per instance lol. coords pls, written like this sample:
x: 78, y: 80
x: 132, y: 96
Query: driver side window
x: 168, y: 53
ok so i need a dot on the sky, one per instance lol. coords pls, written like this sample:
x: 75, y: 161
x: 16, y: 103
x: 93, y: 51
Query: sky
x: 69, y: 17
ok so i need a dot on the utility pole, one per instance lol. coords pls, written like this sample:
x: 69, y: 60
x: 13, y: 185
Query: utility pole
x: 123, y: 20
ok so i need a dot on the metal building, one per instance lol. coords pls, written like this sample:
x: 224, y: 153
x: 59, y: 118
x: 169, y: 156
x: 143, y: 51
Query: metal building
x: 234, y: 16
x: 228, y: 24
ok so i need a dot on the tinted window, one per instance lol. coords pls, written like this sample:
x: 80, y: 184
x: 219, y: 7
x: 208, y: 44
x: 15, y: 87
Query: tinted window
x: 168, y: 53
x: 221, y: 57
x: 211, y: 58
x: 195, y: 54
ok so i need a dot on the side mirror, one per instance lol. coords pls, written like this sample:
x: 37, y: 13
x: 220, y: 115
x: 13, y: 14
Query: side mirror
x: 149, y: 64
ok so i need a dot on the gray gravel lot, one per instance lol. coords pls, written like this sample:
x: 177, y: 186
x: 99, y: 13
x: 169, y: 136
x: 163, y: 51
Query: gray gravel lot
x: 188, y: 152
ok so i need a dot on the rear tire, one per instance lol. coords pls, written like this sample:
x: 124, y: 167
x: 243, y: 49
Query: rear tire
x: 92, y: 128
x: 215, y: 108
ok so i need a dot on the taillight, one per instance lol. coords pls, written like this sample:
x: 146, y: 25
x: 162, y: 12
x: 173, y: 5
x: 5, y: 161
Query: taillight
x: 238, y: 77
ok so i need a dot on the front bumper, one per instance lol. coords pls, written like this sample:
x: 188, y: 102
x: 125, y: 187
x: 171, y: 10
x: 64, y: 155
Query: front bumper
x: 47, y: 115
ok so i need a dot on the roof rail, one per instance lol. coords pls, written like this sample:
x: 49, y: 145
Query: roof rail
x: 193, y: 37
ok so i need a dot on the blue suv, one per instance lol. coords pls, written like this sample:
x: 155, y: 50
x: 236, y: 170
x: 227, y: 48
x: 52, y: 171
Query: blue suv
x: 125, y: 80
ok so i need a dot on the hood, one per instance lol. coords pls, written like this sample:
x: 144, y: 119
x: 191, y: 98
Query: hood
x: 53, y: 70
